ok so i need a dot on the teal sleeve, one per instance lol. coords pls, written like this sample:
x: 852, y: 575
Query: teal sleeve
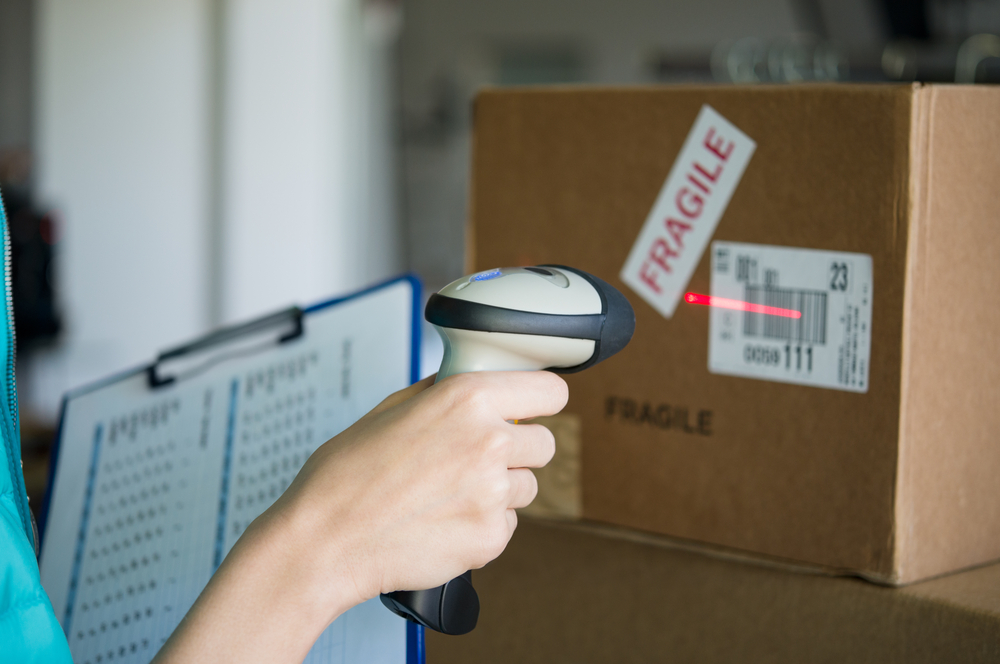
x: 29, y: 631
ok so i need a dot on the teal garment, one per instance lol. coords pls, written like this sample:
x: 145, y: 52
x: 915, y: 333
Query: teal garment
x: 29, y: 631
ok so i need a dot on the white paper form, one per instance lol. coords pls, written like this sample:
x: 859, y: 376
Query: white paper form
x: 154, y: 486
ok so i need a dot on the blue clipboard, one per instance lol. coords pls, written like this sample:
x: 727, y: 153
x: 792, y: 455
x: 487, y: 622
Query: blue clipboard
x: 156, y: 471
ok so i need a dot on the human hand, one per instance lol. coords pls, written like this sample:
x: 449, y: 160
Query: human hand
x: 424, y: 487
x: 416, y: 492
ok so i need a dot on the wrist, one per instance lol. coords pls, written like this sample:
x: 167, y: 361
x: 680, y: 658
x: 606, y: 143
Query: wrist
x: 269, y: 601
x: 309, y: 570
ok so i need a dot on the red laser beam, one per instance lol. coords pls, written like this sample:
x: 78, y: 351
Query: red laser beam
x: 740, y: 305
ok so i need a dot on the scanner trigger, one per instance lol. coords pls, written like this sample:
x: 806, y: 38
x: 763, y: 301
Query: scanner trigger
x: 450, y: 609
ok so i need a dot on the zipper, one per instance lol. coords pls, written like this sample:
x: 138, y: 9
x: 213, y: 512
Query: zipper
x: 9, y: 291
x: 13, y: 431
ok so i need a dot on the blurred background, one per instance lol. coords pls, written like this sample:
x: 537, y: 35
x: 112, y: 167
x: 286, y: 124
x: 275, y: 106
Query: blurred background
x: 169, y: 166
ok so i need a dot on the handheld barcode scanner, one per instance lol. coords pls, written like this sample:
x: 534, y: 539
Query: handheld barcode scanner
x: 514, y: 319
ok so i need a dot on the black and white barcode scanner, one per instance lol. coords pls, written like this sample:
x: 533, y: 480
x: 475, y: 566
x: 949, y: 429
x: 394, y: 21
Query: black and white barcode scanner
x: 514, y: 319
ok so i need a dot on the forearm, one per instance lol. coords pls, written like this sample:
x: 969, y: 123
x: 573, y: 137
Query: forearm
x: 269, y: 600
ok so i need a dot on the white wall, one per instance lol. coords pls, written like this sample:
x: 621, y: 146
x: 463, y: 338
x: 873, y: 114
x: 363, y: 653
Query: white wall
x: 283, y: 81
x: 210, y: 160
x: 304, y: 150
x: 121, y: 156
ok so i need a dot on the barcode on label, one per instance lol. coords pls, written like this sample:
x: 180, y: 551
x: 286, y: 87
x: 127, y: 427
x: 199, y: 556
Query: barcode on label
x: 809, y: 328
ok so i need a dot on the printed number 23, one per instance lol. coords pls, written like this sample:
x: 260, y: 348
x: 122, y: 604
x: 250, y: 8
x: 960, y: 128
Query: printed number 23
x: 838, y: 276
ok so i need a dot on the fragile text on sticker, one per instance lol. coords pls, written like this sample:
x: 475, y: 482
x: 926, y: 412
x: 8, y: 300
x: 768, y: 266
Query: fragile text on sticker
x: 687, y: 210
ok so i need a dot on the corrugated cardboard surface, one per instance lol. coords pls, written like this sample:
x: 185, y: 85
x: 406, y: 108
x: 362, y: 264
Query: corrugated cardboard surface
x: 808, y: 474
x: 949, y: 487
x: 572, y: 594
x: 559, y: 481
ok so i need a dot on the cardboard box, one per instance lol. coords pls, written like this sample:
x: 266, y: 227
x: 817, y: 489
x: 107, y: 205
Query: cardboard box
x: 895, y: 478
x: 572, y: 593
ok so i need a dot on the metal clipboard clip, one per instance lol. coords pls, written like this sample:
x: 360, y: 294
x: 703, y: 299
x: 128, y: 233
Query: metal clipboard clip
x: 239, y: 340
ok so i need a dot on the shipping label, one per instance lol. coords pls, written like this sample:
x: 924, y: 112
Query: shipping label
x: 687, y: 210
x: 790, y: 315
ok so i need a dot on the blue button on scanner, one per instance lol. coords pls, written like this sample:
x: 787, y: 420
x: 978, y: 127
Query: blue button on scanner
x: 486, y: 276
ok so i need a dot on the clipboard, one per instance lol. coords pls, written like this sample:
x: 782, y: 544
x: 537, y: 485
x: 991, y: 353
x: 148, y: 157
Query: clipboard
x: 156, y: 471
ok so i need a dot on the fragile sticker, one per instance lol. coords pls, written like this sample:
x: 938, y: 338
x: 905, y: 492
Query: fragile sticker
x: 791, y: 315
x: 687, y: 210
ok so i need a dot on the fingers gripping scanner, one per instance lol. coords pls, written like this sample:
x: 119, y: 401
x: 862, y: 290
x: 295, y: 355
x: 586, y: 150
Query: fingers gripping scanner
x: 514, y: 319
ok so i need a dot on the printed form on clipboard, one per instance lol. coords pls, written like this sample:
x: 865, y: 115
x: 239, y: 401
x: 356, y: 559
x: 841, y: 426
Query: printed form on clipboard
x: 157, y: 472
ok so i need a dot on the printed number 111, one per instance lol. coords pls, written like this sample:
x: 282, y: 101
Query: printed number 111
x: 798, y: 357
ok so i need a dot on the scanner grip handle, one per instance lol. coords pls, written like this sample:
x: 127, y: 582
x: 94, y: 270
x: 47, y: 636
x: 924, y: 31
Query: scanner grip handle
x: 450, y: 609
